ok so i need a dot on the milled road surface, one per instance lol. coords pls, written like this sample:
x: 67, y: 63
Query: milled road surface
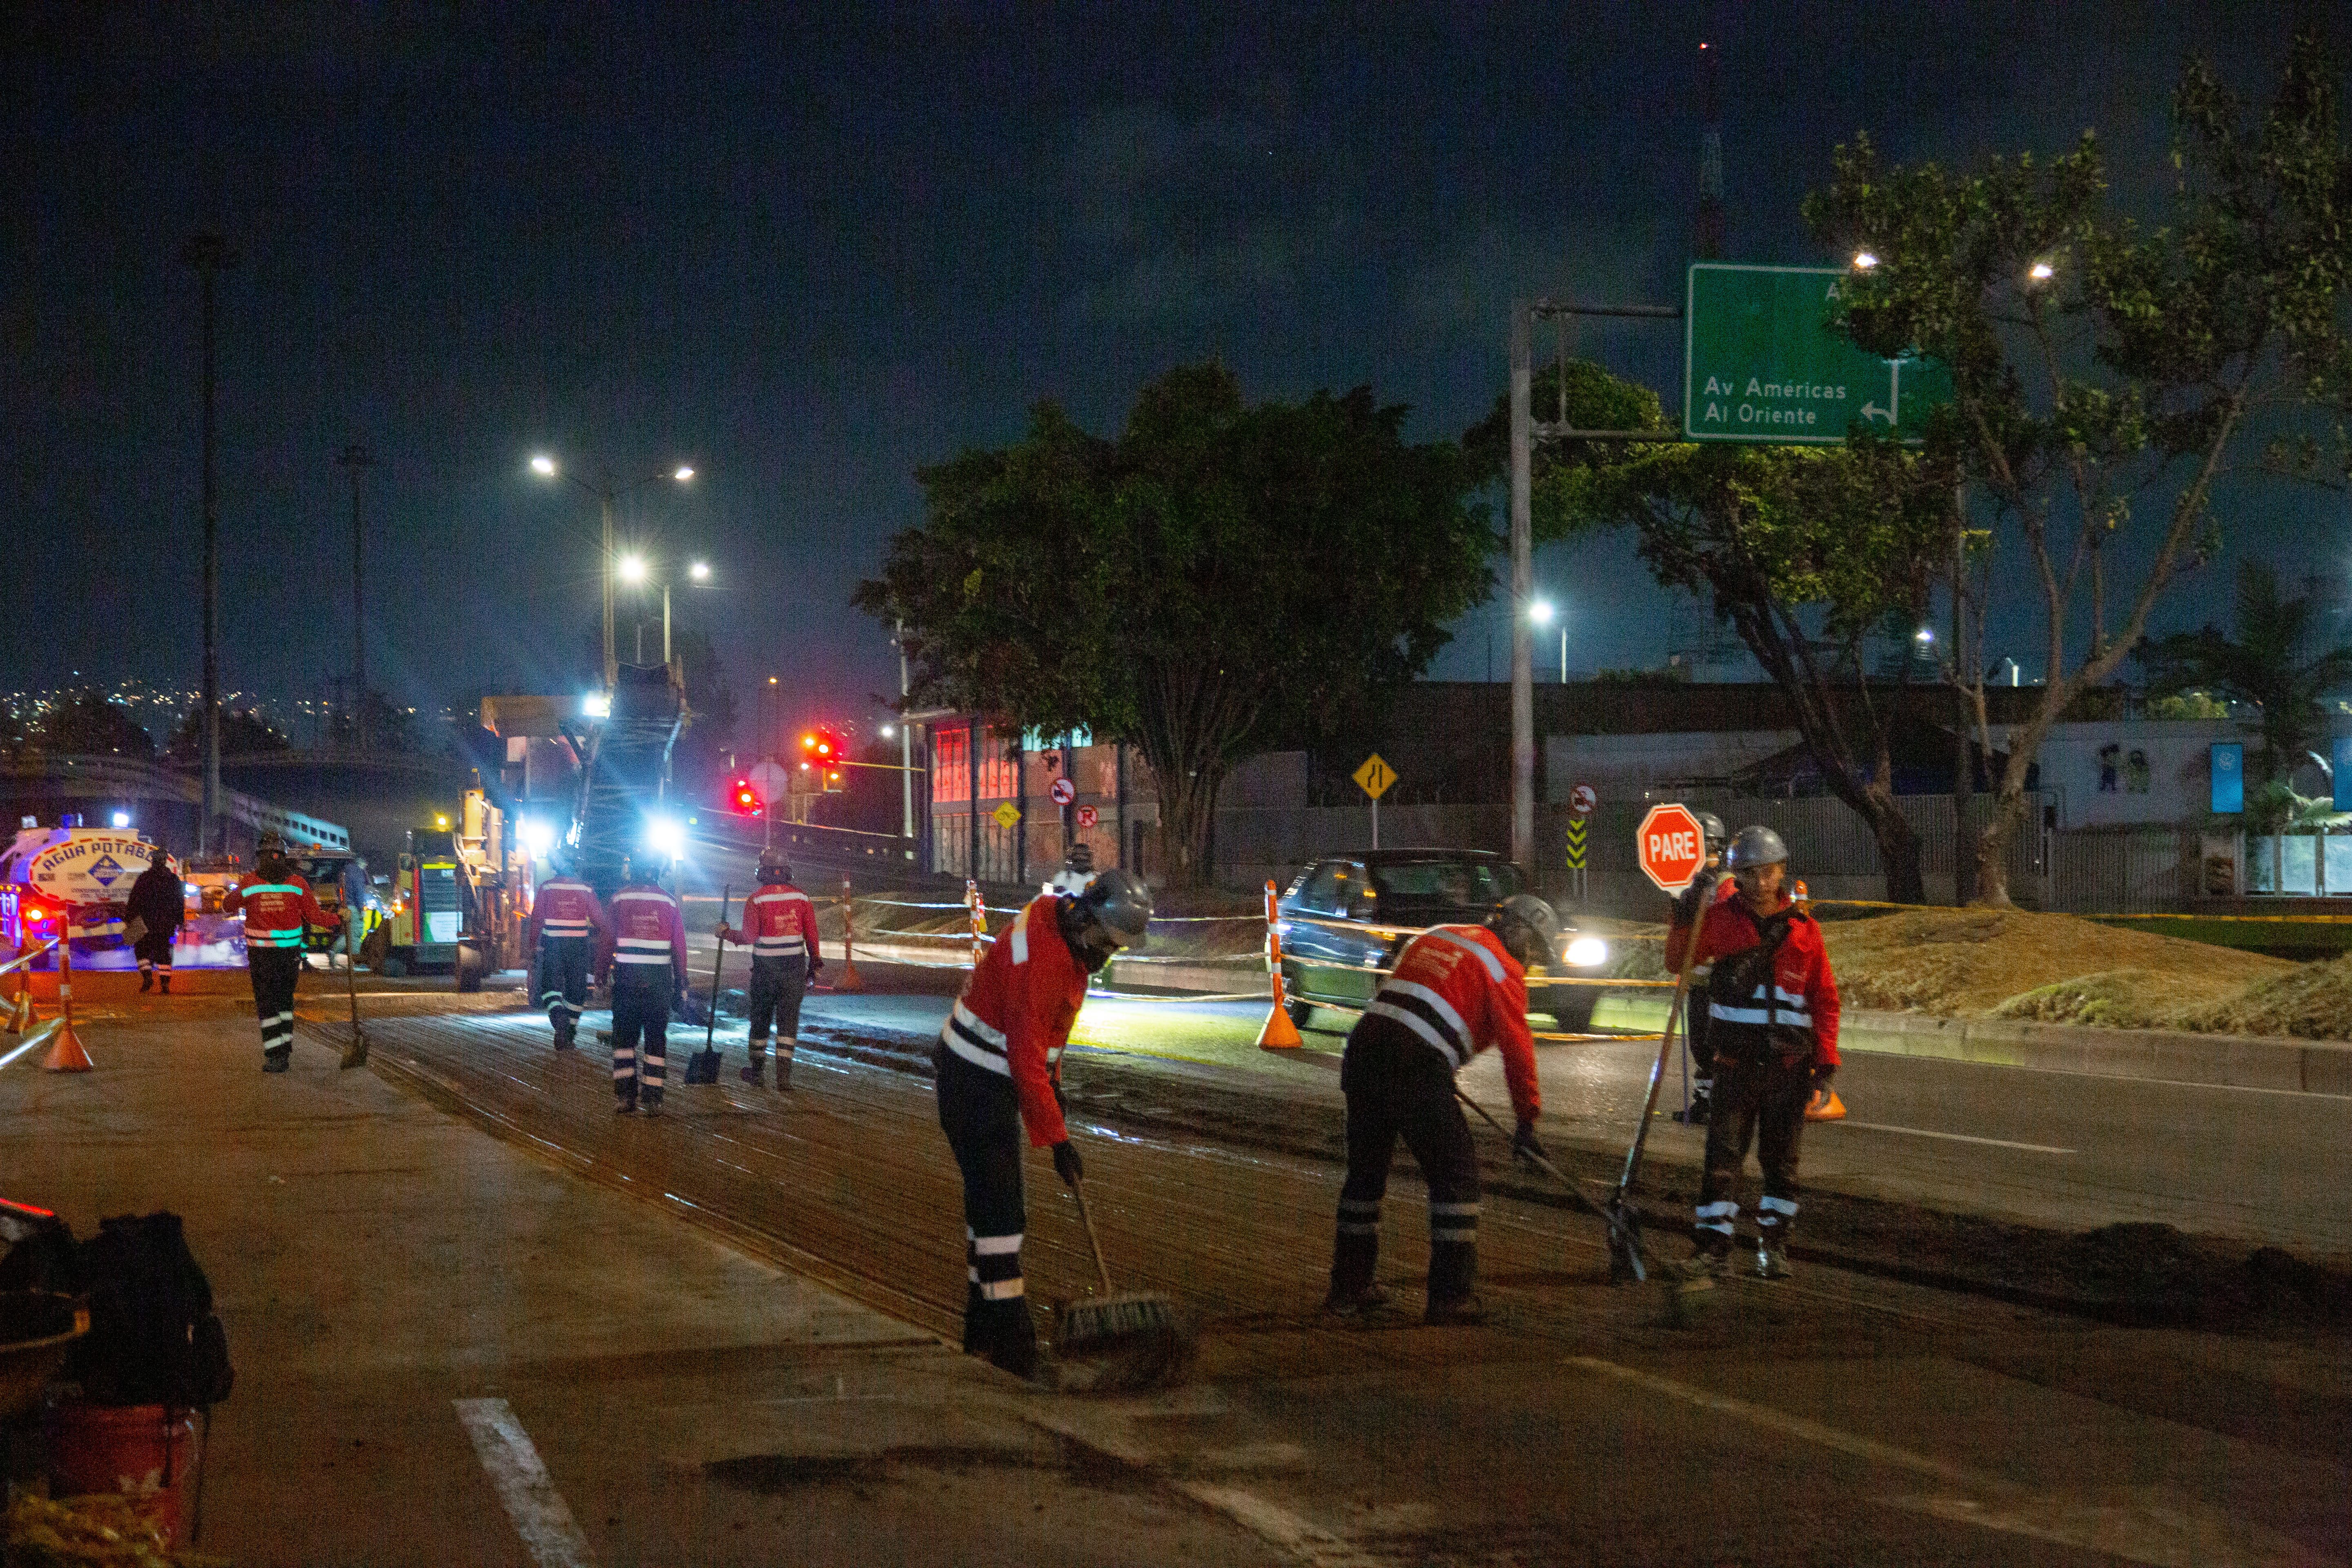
x: 1834, y: 1418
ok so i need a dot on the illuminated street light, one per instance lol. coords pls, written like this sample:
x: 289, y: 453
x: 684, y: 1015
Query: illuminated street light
x: 633, y: 568
x: 2041, y: 272
x: 1864, y: 262
x: 1541, y: 613
x: 609, y: 490
x: 683, y: 474
x: 1923, y: 636
x: 699, y: 570
x: 543, y: 466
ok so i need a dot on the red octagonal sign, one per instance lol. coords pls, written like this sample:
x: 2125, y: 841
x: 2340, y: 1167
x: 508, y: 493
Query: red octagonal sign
x: 1670, y: 847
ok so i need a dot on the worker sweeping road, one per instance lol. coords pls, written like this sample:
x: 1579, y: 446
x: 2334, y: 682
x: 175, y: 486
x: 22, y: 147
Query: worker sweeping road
x: 567, y: 925
x: 999, y: 1062
x: 276, y: 904
x: 779, y: 928
x: 1772, y: 1018
x: 1455, y: 990
x: 646, y: 960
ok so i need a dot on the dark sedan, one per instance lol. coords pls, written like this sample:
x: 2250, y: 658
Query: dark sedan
x: 1346, y: 918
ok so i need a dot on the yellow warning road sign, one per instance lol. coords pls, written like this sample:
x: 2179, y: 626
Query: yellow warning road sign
x: 1007, y: 815
x: 1375, y: 776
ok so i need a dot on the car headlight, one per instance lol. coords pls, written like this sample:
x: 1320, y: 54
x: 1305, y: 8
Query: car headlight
x: 1587, y: 952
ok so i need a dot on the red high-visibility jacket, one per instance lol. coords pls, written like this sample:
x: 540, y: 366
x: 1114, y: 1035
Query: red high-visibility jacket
x: 1791, y: 1012
x: 1460, y: 991
x: 779, y: 922
x: 565, y: 906
x: 275, y: 910
x: 648, y: 934
x: 1014, y: 1017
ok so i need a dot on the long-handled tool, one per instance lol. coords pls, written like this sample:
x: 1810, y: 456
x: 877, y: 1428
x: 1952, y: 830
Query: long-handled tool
x: 355, y: 1053
x: 1630, y: 1240
x: 1626, y: 1260
x: 704, y: 1067
x: 1140, y: 1335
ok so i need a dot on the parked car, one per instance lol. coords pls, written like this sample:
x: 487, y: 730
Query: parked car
x: 1345, y: 919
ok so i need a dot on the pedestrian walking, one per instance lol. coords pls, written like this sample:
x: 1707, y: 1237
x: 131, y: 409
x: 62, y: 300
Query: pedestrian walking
x: 277, y: 906
x: 646, y: 960
x: 159, y: 902
x: 999, y: 1062
x: 568, y: 924
x: 779, y: 928
x: 1772, y: 1018
x: 1455, y: 990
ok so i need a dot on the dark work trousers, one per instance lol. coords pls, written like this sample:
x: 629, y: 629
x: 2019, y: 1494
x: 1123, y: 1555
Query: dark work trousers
x: 563, y: 982
x: 1763, y: 1103
x: 153, y: 951
x: 982, y: 1117
x: 274, y: 971
x: 1398, y: 1087
x: 775, y: 996
x: 640, y: 1012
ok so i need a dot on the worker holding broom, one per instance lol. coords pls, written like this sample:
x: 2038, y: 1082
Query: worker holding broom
x: 999, y: 1062
x: 1455, y: 990
x: 779, y: 928
x: 1772, y: 1019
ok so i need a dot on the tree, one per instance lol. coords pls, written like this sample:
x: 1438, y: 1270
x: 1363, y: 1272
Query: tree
x: 242, y: 734
x: 1219, y: 578
x: 86, y: 723
x: 2271, y: 664
x: 2097, y: 363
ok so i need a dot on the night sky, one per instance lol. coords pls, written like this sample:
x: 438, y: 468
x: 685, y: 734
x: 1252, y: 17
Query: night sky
x: 806, y: 249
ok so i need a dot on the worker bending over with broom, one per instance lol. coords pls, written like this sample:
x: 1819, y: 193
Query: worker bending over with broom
x: 999, y: 1067
x: 1455, y: 991
x: 1772, y: 1020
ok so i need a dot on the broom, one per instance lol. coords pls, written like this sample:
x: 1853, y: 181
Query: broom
x: 1140, y: 1335
x: 355, y: 1053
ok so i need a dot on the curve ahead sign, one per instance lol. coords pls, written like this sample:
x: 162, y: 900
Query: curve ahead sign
x: 1670, y: 847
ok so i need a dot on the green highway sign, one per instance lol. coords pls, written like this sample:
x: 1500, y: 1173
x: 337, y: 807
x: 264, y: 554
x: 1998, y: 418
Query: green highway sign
x: 1762, y: 360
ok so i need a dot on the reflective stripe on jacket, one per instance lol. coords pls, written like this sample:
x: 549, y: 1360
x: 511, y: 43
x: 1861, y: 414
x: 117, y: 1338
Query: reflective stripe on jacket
x: 275, y: 912
x: 1458, y: 990
x: 1781, y: 1003
x: 564, y: 906
x: 779, y: 922
x: 648, y: 935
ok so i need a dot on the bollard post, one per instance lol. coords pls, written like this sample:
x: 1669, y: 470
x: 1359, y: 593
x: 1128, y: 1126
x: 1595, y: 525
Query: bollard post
x: 847, y: 979
x: 1280, y: 1033
x: 979, y: 921
x: 65, y: 1054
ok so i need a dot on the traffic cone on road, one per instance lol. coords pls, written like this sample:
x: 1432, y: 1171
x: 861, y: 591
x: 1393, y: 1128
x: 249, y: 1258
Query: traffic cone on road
x: 1826, y: 1106
x: 1279, y: 1034
x: 65, y: 1054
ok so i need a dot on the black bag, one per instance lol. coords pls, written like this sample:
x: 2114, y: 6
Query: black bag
x: 154, y: 1337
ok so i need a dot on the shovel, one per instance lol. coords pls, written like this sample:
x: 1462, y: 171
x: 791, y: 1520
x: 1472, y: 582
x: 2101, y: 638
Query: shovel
x: 355, y: 1053
x: 704, y: 1067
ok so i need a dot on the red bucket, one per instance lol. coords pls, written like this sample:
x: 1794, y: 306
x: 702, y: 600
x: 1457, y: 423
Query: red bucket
x: 133, y: 1449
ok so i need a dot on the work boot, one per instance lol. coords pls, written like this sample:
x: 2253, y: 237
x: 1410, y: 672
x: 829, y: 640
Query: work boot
x: 146, y: 981
x: 1461, y: 1310
x: 650, y: 1100
x: 1702, y: 1105
x: 563, y: 1040
x: 1345, y: 1303
x: 278, y: 1061
x: 166, y: 986
x: 783, y: 1072
x: 756, y: 1074
x: 624, y: 1101
x: 1714, y: 1262
x: 1772, y: 1260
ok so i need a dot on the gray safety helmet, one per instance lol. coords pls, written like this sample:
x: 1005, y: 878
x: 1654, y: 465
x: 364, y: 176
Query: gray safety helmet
x: 1711, y: 828
x: 1529, y: 929
x: 1756, y: 845
x: 773, y: 867
x: 1119, y: 905
x: 271, y: 842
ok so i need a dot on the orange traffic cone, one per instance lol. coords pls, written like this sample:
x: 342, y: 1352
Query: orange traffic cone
x: 1279, y: 1034
x: 847, y: 979
x: 65, y: 1054
x: 1826, y: 1106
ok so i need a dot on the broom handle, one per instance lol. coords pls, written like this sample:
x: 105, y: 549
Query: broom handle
x: 350, y: 978
x: 718, y: 956
x: 1546, y: 1166
x: 1078, y: 1191
x: 1675, y: 1011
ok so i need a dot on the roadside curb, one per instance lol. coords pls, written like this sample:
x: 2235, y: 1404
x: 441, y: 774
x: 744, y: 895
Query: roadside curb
x: 2281, y: 1064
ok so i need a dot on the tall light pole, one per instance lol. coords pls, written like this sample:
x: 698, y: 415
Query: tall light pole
x: 209, y: 254
x: 355, y: 457
x: 905, y: 744
x: 1523, y: 697
x: 608, y: 491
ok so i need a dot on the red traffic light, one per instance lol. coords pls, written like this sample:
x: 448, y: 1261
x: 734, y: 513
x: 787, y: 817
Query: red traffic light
x: 743, y: 797
x: 822, y: 745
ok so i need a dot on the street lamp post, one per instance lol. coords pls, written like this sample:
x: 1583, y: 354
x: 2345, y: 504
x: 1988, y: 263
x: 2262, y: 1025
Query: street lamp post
x: 608, y: 491
x: 209, y: 254
x: 1541, y: 613
x: 355, y: 458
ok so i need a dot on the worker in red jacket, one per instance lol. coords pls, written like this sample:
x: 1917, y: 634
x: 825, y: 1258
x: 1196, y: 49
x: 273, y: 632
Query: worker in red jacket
x: 779, y: 928
x: 567, y: 927
x: 276, y: 904
x: 999, y: 1062
x: 1455, y: 990
x: 646, y: 960
x: 1772, y: 1019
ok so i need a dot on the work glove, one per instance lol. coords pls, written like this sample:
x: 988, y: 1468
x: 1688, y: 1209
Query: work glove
x: 1693, y: 898
x: 1823, y: 1073
x: 816, y: 967
x: 1523, y: 1143
x: 1066, y: 1164
x: 725, y: 932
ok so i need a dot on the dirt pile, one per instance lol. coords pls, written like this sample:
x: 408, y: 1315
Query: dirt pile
x: 2313, y: 1001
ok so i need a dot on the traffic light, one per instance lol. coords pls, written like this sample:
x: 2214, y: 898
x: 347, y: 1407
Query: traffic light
x: 823, y: 755
x: 743, y: 797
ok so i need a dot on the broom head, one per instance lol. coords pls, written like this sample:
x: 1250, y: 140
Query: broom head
x: 1138, y: 1339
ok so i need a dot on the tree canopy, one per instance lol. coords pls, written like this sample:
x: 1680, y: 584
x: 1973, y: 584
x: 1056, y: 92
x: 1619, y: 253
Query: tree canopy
x: 1218, y: 578
x: 2273, y: 663
x: 88, y: 724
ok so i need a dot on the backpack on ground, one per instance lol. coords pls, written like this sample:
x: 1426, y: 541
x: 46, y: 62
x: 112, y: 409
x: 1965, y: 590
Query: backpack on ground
x: 154, y: 1336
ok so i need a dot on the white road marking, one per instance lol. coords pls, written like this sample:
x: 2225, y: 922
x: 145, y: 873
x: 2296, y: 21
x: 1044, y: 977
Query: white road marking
x: 538, y: 1509
x: 2165, y: 1531
x: 1957, y: 1138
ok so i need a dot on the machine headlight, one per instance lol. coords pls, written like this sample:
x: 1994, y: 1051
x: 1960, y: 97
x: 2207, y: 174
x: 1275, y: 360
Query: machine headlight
x: 666, y: 837
x: 1587, y: 952
x: 538, y: 837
